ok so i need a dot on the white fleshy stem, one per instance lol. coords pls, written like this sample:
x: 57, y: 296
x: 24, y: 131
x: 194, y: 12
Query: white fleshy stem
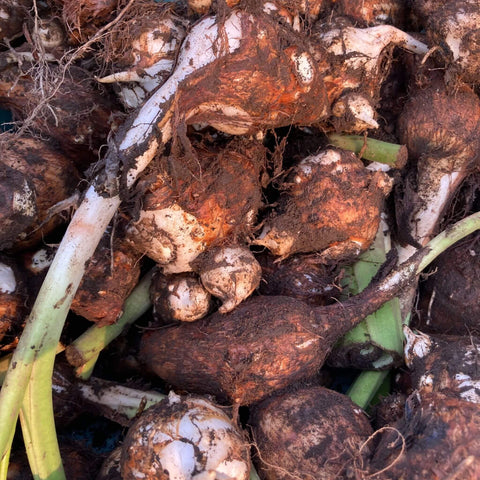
x: 426, y: 219
x: 121, y: 400
x: 362, y: 47
x: 33, y: 359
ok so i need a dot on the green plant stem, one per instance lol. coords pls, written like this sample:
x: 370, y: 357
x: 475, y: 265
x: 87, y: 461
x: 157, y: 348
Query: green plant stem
x: 95, y: 339
x: 6, y: 458
x: 365, y: 386
x: 40, y: 443
x: 371, y: 149
x: 253, y: 473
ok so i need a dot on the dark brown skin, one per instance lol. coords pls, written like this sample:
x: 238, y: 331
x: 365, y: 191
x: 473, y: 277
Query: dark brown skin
x: 83, y: 18
x: 15, y: 220
x: 53, y: 176
x: 264, y: 345
x: 303, y: 277
x: 438, y: 438
x: 451, y: 366
x: 312, y: 433
x: 449, y: 297
x: 80, y: 114
x: 16, y: 15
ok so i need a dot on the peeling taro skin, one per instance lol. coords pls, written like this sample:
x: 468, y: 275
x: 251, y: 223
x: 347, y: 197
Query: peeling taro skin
x: 309, y: 433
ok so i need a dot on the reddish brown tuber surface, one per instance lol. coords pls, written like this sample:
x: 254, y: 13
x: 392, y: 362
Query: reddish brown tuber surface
x: 374, y: 12
x: 111, y: 275
x: 331, y: 204
x: 197, y: 202
x: 309, y: 433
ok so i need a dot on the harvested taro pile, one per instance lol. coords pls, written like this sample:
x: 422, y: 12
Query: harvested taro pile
x: 238, y: 239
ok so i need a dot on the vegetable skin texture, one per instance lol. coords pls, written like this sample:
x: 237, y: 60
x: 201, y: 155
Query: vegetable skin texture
x: 449, y: 364
x: 331, y: 205
x: 449, y: 297
x: 111, y: 274
x: 270, y: 80
x: 307, y: 433
x: 184, y: 438
x: 454, y: 27
x: 437, y: 438
x: 190, y: 208
x: 265, y: 344
x: 441, y: 132
x: 53, y: 176
x: 180, y: 297
x: 230, y: 273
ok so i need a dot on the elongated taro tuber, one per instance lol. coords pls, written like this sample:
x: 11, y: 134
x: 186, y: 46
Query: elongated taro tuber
x: 331, y: 205
x: 309, y: 433
x: 263, y: 345
x: 185, y: 438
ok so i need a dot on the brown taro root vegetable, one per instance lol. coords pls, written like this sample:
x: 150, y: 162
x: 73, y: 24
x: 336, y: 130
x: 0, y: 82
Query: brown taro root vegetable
x: 265, y: 344
x: 444, y: 363
x: 441, y: 132
x: 449, y: 297
x: 437, y: 438
x: 192, y: 206
x: 331, y: 205
x: 179, y: 297
x: 304, y: 277
x: 262, y: 77
x: 354, y: 62
x: 374, y: 12
x: 185, y: 438
x: 230, y: 273
x: 454, y: 26
x: 111, y: 275
x: 142, y: 50
x: 18, y: 209
x: 309, y: 433
x: 53, y: 177
x: 12, y: 301
x: 78, y: 114
x: 83, y: 18
x: 13, y: 14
